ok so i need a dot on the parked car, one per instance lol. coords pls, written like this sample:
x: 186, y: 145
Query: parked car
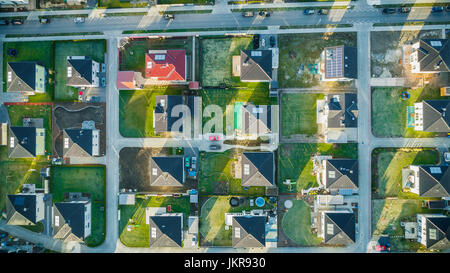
x: 17, y: 21
x: 4, y: 22
x: 272, y: 41
x: 437, y: 9
x: 264, y: 13
x: 103, y: 82
x: 263, y: 42
x: 404, y: 10
x: 308, y: 11
x: 78, y: 20
x: 388, y: 10
x: 323, y: 11
x: 214, y: 147
x: 256, y: 41
x: 447, y: 8
x: 248, y: 14
x: 214, y: 138
x: 44, y: 20
x: 169, y: 16
x: 194, y: 162
x: 187, y: 162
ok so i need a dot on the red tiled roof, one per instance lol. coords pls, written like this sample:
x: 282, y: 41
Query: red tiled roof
x: 125, y: 80
x: 171, y: 68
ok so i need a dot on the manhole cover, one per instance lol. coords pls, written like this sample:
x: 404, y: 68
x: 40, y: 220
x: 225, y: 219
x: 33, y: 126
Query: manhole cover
x: 288, y: 204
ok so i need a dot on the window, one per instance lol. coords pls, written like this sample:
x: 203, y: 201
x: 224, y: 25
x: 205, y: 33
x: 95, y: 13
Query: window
x: 149, y: 65
x: 237, y: 232
x: 11, y: 142
x: 57, y: 221
x: 9, y: 76
x: 432, y: 234
x: 331, y: 174
x: 246, y: 169
x: 69, y: 71
x: 154, y: 171
x: 153, y: 232
x: 66, y: 143
x: 330, y: 229
x: 163, y: 103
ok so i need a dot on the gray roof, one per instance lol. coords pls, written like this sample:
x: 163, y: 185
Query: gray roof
x: 434, y: 181
x: 80, y: 142
x: 168, y: 230
x: 163, y: 111
x: 170, y: 171
x: 343, y: 110
x: 72, y: 214
x: 261, y: 169
x: 81, y: 71
x: 23, y: 76
x: 343, y: 228
x: 341, y: 62
x: 256, y: 65
x: 345, y: 173
x: 435, y: 116
x: 442, y: 226
x: 252, y: 231
x: 434, y: 55
x: 252, y: 119
x: 24, y: 142
x: 21, y: 209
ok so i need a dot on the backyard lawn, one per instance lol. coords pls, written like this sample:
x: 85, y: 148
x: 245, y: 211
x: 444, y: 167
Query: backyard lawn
x: 42, y: 52
x: 86, y: 179
x: 139, y: 235
x: 93, y: 48
x: 296, y: 224
x: 299, y: 114
x: 294, y: 162
x: 136, y: 110
x: 389, y: 164
x: 297, y: 49
x: 389, y: 111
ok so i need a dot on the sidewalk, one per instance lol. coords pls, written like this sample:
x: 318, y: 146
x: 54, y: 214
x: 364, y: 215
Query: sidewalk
x: 400, y: 2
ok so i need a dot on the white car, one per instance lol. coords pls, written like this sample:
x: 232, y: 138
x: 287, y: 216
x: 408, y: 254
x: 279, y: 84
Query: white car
x: 78, y: 20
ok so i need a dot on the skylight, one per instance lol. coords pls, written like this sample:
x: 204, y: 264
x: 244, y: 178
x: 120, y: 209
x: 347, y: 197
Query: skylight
x: 330, y: 229
x: 237, y: 232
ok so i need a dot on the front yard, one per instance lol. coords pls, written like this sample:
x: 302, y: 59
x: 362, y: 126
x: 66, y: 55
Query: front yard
x: 388, y: 164
x: 85, y: 179
x: 389, y: 110
x: 134, y: 217
x: 294, y: 162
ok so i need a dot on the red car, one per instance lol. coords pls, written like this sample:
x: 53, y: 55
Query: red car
x: 214, y: 138
x: 380, y: 248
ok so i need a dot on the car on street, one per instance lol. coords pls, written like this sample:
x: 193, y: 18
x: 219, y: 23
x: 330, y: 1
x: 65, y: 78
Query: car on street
x: 308, y: 11
x: 214, y: 138
x: 404, y: 10
x: 437, y: 9
x: 323, y: 11
x: 214, y: 147
x: 17, y: 21
x: 44, y: 20
x: 169, y: 16
x: 272, y: 41
x: 248, y: 14
x: 78, y: 20
x: 4, y: 22
x: 264, y: 14
x: 194, y: 162
x: 388, y: 10
x: 187, y: 162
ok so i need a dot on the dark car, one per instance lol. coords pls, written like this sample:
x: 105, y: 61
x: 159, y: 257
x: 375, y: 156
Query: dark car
x: 214, y: 147
x: 4, y: 22
x: 308, y: 12
x: 437, y: 9
x: 256, y: 41
x: 447, y: 8
x: 323, y: 12
x: 44, y: 20
x: 264, y: 14
x: 272, y: 41
x: 169, y: 16
x: 17, y: 21
x: 388, y: 11
x: 404, y: 10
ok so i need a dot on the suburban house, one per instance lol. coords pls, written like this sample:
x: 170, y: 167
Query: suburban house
x: 166, y: 230
x: 254, y: 121
x: 339, y: 175
x: 26, y: 77
x: 258, y: 169
x: 81, y: 142
x: 167, y: 171
x: 338, y: 115
x: 427, y: 181
x: 431, y: 116
x: 430, y: 56
x: 433, y: 230
x: 338, y: 63
x: 338, y: 227
x: 255, y: 65
x: 129, y: 80
x: 248, y: 231
x: 72, y: 218
x: 25, y: 208
x: 162, y: 114
x: 166, y: 65
x: 82, y: 71
x: 26, y: 142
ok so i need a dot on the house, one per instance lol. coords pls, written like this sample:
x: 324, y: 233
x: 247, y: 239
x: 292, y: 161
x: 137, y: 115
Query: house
x: 258, y: 169
x: 339, y: 175
x: 162, y: 115
x: 72, y: 218
x: 338, y: 115
x: 82, y: 71
x: 431, y: 116
x: 256, y: 120
x: 166, y: 65
x: 129, y: 80
x: 248, y: 231
x: 81, y: 142
x: 26, y: 208
x: 255, y: 66
x: 166, y: 230
x: 433, y: 230
x: 167, y: 171
x: 26, y: 77
x: 26, y: 142
x: 427, y: 181
x: 430, y: 56
x: 338, y: 227
x: 338, y: 63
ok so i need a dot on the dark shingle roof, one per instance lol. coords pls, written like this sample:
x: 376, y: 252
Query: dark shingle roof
x: 170, y: 171
x: 442, y: 226
x: 24, y: 142
x: 256, y: 65
x: 72, y: 214
x: 343, y: 231
x: 345, y: 173
x: 163, y: 112
x: 80, y: 142
x: 261, y: 171
x: 252, y: 231
x: 22, y: 204
x: 434, y: 55
x: 168, y: 231
x: 436, y: 116
x: 343, y: 111
x: 434, y: 181
x: 23, y: 76
x: 81, y: 71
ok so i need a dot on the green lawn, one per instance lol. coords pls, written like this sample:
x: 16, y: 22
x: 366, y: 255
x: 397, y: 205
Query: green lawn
x: 387, y: 214
x: 215, y: 175
x: 389, y: 111
x: 299, y: 113
x: 139, y: 234
x: 42, y: 52
x: 297, y: 49
x: 85, y: 179
x: 195, y: 2
x: 296, y: 224
x: 389, y: 164
x: 91, y: 48
x: 294, y: 162
x: 136, y: 110
x: 119, y: 4
x: 18, y: 112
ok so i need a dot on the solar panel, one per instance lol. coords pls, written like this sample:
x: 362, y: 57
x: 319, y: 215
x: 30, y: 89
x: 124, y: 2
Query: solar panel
x: 435, y: 170
x: 333, y: 62
x: 160, y: 57
x: 436, y: 43
x: 330, y: 229
x: 237, y: 232
x: 256, y: 53
x: 246, y: 169
x: 153, y: 232
x: 432, y: 233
